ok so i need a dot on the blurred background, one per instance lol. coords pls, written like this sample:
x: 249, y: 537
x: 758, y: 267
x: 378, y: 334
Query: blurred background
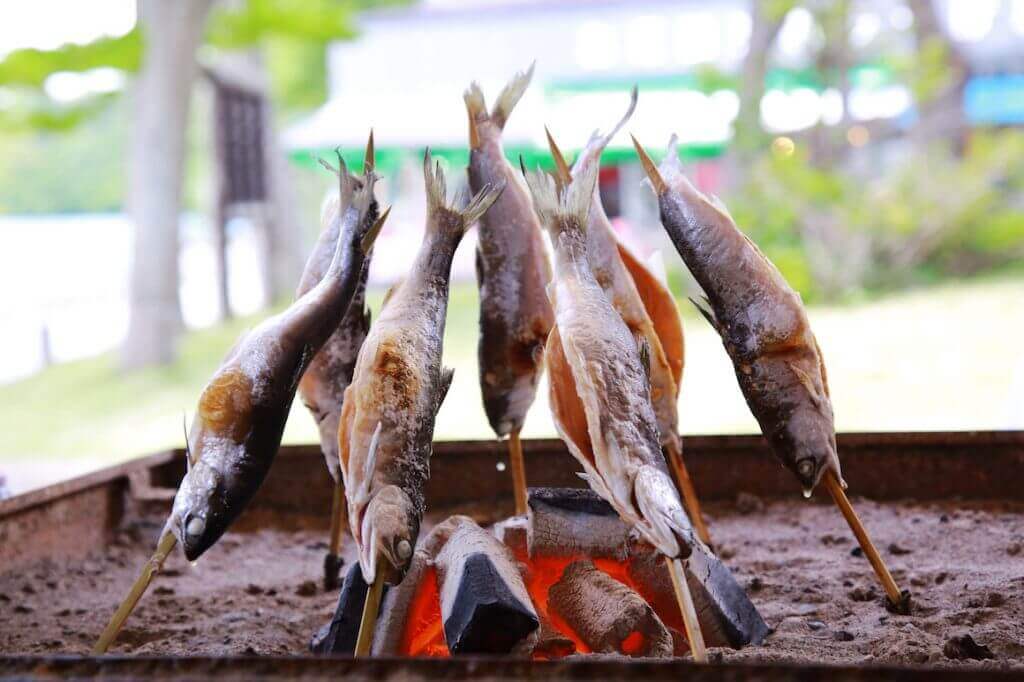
x: 159, y: 189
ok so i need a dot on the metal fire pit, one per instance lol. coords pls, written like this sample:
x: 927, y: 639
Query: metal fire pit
x: 69, y: 520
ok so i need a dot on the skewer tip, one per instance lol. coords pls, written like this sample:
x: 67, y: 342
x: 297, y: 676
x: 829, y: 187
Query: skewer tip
x: 649, y: 167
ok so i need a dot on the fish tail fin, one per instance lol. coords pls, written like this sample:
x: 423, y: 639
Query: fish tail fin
x: 459, y: 215
x: 562, y: 207
x: 476, y: 110
x: 634, y: 94
x: 510, y: 96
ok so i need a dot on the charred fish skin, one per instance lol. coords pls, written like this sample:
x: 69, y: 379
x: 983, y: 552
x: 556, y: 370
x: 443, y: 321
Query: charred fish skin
x: 242, y: 411
x: 604, y: 252
x: 512, y: 269
x: 762, y: 322
x: 323, y: 385
x: 594, y: 360
x: 387, y: 421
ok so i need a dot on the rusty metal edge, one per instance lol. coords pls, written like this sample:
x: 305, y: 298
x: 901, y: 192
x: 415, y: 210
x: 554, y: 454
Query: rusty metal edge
x: 470, y: 668
x: 95, y: 479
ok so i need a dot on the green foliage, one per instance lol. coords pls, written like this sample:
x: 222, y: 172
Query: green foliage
x: 30, y: 67
x: 298, y: 73
x: 252, y: 21
x: 929, y: 215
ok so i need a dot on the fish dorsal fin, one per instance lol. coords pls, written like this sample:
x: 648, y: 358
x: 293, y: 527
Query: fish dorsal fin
x: 447, y: 374
x: 390, y: 292
x: 661, y: 308
x: 644, y: 347
x: 566, y: 407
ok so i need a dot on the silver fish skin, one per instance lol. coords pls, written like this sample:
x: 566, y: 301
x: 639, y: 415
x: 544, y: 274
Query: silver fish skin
x: 323, y: 385
x: 512, y: 269
x: 761, y: 319
x: 242, y: 411
x: 387, y: 421
x: 653, y: 320
x: 600, y: 388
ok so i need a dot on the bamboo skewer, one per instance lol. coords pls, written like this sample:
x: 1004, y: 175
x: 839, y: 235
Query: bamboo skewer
x: 689, y: 493
x: 686, y: 608
x: 149, y: 570
x: 369, y: 620
x: 332, y: 562
x: 515, y: 456
x: 896, y: 598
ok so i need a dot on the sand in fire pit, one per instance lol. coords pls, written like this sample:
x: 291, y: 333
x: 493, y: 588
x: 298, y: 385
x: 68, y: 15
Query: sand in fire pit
x: 260, y: 593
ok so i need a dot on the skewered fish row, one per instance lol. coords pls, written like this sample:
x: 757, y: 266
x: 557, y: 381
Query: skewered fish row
x: 322, y: 387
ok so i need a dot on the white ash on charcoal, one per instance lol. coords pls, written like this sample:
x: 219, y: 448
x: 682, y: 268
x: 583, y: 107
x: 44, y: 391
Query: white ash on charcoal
x: 607, y: 615
x: 574, y: 522
x: 484, y: 603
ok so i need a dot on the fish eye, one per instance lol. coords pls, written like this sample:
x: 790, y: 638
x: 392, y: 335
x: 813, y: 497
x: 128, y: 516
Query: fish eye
x: 805, y: 467
x: 195, y: 526
x: 403, y: 549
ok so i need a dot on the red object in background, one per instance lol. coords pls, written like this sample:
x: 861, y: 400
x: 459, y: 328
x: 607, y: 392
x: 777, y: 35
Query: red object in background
x: 708, y: 175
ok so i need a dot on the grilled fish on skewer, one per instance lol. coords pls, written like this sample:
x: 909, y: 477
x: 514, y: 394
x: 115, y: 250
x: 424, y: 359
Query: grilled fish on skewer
x: 322, y: 387
x: 600, y: 390
x: 512, y: 269
x: 387, y: 419
x: 761, y: 320
x: 242, y: 411
x: 646, y: 306
x: 766, y: 333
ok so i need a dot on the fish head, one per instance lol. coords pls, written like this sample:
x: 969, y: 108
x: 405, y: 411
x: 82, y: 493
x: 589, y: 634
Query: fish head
x: 199, y: 515
x: 809, y: 446
x: 389, y: 530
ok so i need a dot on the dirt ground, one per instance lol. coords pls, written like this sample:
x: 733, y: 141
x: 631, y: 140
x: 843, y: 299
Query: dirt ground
x: 260, y: 593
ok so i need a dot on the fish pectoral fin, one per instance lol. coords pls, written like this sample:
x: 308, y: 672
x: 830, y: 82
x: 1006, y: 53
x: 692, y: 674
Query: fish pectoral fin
x: 369, y: 466
x: 447, y: 374
x: 706, y: 312
x: 808, y: 383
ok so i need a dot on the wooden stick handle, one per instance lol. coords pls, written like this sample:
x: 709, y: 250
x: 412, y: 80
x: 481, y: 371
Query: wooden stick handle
x: 839, y: 495
x: 151, y: 568
x: 368, y: 623
x: 515, y: 457
x: 686, y: 608
x: 687, y: 491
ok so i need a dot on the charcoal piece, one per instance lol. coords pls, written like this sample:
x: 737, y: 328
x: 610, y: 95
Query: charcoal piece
x: 339, y: 636
x: 574, y: 522
x: 727, y: 616
x: 551, y: 643
x: 387, y: 637
x: 484, y: 603
x: 609, y: 616
x: 512, y: 533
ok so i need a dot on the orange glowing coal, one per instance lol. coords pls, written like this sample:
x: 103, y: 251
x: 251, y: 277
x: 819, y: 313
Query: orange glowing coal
x: 424, y: 630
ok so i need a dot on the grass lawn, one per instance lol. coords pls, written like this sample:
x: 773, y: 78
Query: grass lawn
x: 945, y: 357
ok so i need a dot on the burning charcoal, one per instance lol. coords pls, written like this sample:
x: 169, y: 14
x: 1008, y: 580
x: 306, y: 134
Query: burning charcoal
x: 607, y: 615
x: 339, y: 636
x: 551, y: 643
x: 513, y: 534
x: 397, y: 602
x: 484, y: 603
x: 727, y: 616
x: 574, y: 522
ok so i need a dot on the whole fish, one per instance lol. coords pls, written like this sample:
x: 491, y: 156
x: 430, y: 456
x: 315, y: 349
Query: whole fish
x: 387, y: 419
x: 511, y: 266
x: 242, y: 411
x: 599, y: 378
x: 322, y: 387
x: 761, y: 320
x: 645, y: 304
